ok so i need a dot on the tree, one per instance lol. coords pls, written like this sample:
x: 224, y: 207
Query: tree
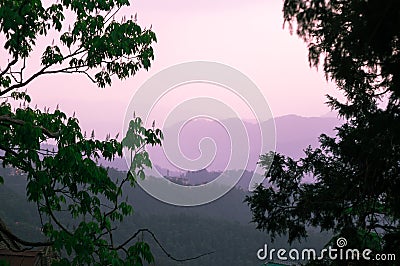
x: 356, y: 173
x: 68, y: 178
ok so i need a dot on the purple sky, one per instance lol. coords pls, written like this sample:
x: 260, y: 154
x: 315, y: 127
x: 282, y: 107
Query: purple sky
x: 246, y: 35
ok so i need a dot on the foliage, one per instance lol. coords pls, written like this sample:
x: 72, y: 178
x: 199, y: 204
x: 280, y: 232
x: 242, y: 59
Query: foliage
x: 221, y: 227
x: 356, y: 173
x: 94, y: 41
x: 68, y: 178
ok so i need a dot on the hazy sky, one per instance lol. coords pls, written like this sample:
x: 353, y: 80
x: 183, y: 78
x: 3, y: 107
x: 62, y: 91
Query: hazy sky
x: 246, y: 35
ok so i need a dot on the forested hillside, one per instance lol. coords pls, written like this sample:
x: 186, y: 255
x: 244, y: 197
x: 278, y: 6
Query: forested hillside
x: 222, y: 227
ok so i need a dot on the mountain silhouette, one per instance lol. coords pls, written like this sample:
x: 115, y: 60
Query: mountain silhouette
x: 196, y: 139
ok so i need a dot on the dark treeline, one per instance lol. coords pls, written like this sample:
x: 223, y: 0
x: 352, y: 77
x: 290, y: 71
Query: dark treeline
x: 223, y: 227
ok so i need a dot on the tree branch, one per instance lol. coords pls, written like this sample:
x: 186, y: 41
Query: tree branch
x: 45, y: 131
x: 67, y: 70
x: 13, y: 62
x: 37, y: 74
x: 384, y: 227
x: 22, y: 84
x: 15, y: 238
x: 159, y: 244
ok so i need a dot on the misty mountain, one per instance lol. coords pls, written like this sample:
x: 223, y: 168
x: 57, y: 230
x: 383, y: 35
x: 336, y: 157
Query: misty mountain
x: 201, y: 150
x: 207, y: 143
x: 201, y: 139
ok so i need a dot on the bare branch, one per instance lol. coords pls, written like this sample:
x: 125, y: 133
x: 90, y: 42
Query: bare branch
x: 22, y: 84
x: 384, y: 227
x: 381, y: 93
x: 37, y: 74
x: 69, y: 71
x: 50, y: 212
x: 15, y: 238
x: 10, y: 64
x: 159, y: 244
x: 111, y: 15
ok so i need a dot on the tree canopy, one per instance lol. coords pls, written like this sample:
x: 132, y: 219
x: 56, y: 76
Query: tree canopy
x: 67, y: 178
x: 356, y: 174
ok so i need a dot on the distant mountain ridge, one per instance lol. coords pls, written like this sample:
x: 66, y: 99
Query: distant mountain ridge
x: 293, y: 134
